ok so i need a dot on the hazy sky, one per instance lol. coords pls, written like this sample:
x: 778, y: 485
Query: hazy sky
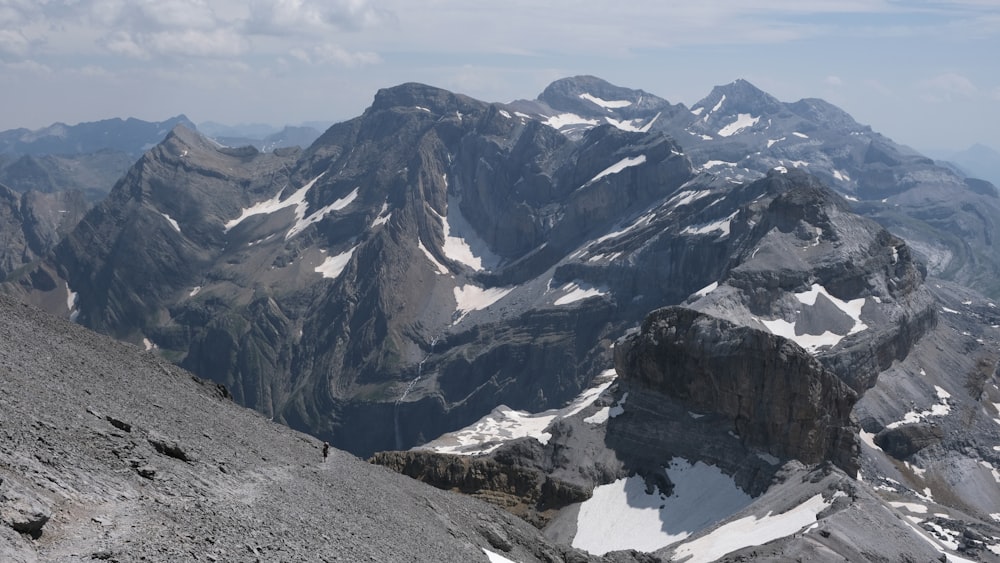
x: 925, y: 73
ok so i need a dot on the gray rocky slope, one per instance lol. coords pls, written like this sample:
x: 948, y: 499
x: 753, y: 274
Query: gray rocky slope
x: 110, y: 453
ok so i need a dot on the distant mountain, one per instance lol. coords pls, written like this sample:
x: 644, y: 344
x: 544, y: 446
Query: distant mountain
x: 979, y: 161
x: 131, y: 136
x: 264, y: 137
x: 89, y: 157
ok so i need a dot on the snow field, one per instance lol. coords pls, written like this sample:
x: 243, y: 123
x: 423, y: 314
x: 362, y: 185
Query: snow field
x: 743, y: 121
x: 607, y: 104
x: 751, y: 531
x: 621, y: 515
x: 470, y: 298
x: 461, y: 243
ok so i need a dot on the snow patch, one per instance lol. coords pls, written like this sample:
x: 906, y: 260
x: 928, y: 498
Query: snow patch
x: 800, y: 135
x: 173, y: 223
x: 602, y: 415
x: 505, y: 114
x: 781, y: 169
x: 607, y: 104
x: 569, y: 119
x: 274, y: 204
x: 717, y: 106
x: 195, y: 291
x: 383, y: 217
x: 722, y: 225
x: 743, y: 121
x: 714, y: 163
x: 621, y: 515
x: 505, y: 424
x: 441, y: 268
x: 461, y: 242
x: 578, y: 291
x: 473, y: 298
x: 633, y: 125
x: 771, y: 142
x: 496, y: 557
x: 751, y: 531
x: 617, y: 167
x: 148, y: 344
x: 697, y: 111
x: 333, y: 266
x: 302, y: 221
x: 687, y: 197
x: 842, y: 176
x: 813, y: 342
x: 707, y: 289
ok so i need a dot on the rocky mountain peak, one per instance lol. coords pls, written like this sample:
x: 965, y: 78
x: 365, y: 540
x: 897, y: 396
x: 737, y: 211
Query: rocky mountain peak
x: 588, y: 94
x: 424, y: 98
x: 739, y: 96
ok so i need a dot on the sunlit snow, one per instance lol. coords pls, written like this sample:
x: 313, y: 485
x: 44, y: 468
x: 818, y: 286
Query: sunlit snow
x: 273, y: 204
x: 722, y: 225
x: 621, y: 515
x: 301, y: 221
x: 172, y: 222
x: 686, y: 197
x: 707, y: 289
x: 578, y: 291
x: 505, y: 424
x: 441, y: 268
x: 812, y: 342
x: 473, y: 298
x: 496, y: 557
x: 333, y: 266
x: 751, y: 531
x: 461, y: 243
x: 633, y: 125
x: 609, y: 104
x: 714, y: 163
x: 566, y: 119
x: 942, y: 408
x: 618, y: 167
x: 800, y: 135
x: 743, y: 121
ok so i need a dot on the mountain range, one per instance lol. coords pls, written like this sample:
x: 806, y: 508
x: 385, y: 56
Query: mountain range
x: 763, y: 301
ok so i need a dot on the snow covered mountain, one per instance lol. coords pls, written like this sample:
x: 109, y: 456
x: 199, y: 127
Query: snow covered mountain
x: 441, y: 263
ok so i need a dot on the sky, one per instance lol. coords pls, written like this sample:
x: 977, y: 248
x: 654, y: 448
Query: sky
x: 924, y: 73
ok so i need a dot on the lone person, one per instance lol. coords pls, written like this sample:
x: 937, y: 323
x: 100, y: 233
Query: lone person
x: 326, y: 450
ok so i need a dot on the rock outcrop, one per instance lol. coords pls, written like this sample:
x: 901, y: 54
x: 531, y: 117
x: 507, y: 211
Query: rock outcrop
x: 777, y: 397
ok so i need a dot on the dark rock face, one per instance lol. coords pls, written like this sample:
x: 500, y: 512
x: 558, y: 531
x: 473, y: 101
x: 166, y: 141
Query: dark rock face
x: 31, y: 224
x: 511, y: 480
x: 903, y: 441
x: 778, y: 397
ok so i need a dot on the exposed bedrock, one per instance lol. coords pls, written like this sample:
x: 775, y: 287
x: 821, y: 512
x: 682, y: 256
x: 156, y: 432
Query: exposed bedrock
x: 779, y: 398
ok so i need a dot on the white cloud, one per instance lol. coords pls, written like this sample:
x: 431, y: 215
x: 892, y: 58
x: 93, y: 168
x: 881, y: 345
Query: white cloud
x: 833, y: 81
x: 294, y: 17
x: 948, y: 87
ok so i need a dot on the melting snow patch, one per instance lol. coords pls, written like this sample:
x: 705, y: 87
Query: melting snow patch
x: 333, y: 266
x: 383, y: 217
x: 172, y: 222
x: 812, y: 342
x: 717, y: 106
x: 707, y: 289
x: 148, y: 344
x: 781, y: 169
x: 473, y: 298
x: 505, y: 114
x: 618, y: 167
x: 621, y: 515
x: 686, y: 197
x: 751, y: 531
x: 722, y: 225
x: 273, y: 204
x: 602, y: 415
x: 300, y: 211
x: 714, y: 163
x: 770, y: 142
x: 743, y: 121
x: 567, y: 119
x: 461, y: 243
x: 505, y: 424
x: 842, y: 176
x: 578, y: 291
x: 697, y: 111
x: 607, y: 104
x: 496, y: 557
x: 633, y: 125
x: 940, y: 409
x: 195, y: 291
x: 800, y: 135
x: 441, y: 268
x: 869, y: 439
